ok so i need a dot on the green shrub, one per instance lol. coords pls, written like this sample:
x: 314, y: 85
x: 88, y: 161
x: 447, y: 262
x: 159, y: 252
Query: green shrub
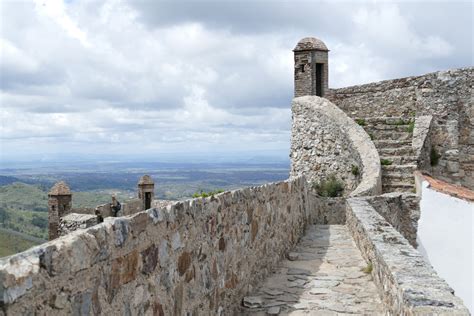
x: 385, y: 162
x: 203, y: 194
x: 330, y: 187
x: 368, y: 269
x: 361, y: 122
x: 371, y: 135
x: 411, y: 127
x: 434, y: 157
x: 355, y: 170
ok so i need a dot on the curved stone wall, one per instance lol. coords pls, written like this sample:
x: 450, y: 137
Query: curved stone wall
x: 325, y: 142
x: 199, y: 256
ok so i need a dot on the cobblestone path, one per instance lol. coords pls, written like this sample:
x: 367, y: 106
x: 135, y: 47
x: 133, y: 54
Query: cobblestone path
x: 322, y: 276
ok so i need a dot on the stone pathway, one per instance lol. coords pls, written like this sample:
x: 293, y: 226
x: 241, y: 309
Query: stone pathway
x: 322, y: 276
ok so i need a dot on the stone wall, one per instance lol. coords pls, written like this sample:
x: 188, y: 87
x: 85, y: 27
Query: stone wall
x: 421, y: 141
x: 325, y: 142
x: 327, y: 211
x: 74, y: 221
x: 401, y: 210
x: 407, y: 284
x: 446, y: 95
x: 197, y: 256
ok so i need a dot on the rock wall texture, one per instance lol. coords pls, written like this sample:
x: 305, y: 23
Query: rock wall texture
x: 74, y: 221
x: 401, y: 210
x: 446, y: 95
x: 407, y: 284
x: 325, y: 142
x: 199, y: 256
x: 421, y: 141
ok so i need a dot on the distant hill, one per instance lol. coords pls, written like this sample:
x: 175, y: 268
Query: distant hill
x: 13, y: 242
x: 4, y: 180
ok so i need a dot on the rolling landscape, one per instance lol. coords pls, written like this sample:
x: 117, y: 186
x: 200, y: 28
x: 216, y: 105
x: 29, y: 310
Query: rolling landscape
x: 24, y: 189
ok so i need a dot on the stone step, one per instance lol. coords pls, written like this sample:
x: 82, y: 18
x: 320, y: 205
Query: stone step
x: 380, y: 143
x: 398, y: 187
x: 398, y: 151
x: 389, y: 177
x: 397, y: 181
x: 386, y: 135
x: 384, y: 119
x: 377, y: 128
x: 399, y: 168
x: 399, y: 160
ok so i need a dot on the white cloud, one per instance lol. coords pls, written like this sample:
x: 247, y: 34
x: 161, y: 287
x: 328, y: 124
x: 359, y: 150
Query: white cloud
x: 87, y: 76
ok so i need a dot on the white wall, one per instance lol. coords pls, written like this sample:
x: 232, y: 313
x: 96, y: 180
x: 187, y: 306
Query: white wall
x: 445, y: 238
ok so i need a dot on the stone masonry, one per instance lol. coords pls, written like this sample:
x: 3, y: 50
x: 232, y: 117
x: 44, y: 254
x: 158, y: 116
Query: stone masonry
x: 445, y: 95
x: 279, y: 248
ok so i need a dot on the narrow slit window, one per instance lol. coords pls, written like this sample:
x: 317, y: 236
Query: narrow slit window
x: 302, y: 68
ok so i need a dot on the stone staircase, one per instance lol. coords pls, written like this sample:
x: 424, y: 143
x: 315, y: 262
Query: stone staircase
x: 393, y: 139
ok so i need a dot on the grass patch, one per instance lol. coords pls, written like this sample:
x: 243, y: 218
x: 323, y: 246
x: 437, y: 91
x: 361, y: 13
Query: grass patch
x: 368, y: 269
x: 355, y: 170
x: 434, y: 157
x: 330, y: 187
x: 361, y: 122
x: 206, y: 194
x: 385, y: 162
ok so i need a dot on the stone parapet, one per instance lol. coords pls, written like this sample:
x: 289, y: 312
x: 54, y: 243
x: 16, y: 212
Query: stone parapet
x: 421, y: 141
x: 401, y: 210
x: 199, y: 255
x: 407, y: 284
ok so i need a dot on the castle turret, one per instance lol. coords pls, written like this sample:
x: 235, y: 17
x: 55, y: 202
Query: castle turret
x: 311, y: 67
x: 59, y: 205
x: 146, y: 191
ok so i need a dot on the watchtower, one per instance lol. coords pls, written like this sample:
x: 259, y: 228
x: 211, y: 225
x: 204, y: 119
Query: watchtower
x: 146, y: 191
x: 59, y: 205
x: 311, y: 67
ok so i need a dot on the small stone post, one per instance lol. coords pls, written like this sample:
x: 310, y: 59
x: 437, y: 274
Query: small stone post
x: 146, y: 191
x: 59, y: 205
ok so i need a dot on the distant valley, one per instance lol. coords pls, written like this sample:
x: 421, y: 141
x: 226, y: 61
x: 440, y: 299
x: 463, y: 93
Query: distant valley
x: 24, y: 191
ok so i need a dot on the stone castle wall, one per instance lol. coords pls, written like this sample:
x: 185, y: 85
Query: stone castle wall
x: 446, y: 95
x: 325, y: 142
x: 407, y: 284
x: 197, y: 256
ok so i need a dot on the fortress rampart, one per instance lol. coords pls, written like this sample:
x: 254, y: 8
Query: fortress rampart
x: 445, y: 95
x: 203, y: 256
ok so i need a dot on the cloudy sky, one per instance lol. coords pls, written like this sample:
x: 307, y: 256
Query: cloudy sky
x: 120, y: 78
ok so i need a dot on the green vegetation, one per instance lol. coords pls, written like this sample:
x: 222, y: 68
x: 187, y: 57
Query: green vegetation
x: 206, y: 194
x: 330, y: 187
x: 385, y: 162
x: 361, y: 122
x: 13, y: 243
x: 355, y: 170
x: 368, y: 269
x: 434, y: 157
x: 411, y: 127
x: 371, y: 135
